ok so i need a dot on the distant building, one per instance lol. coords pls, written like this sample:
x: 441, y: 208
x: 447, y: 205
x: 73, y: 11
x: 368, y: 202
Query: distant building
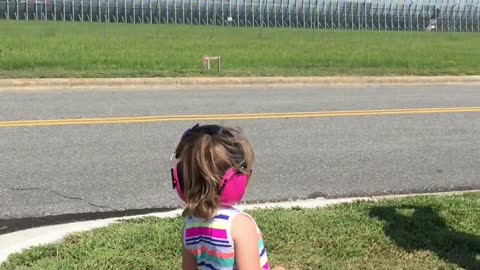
x: 389, y: 15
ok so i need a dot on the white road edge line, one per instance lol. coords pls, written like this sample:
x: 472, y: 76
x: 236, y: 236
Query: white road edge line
x: 17, y: 241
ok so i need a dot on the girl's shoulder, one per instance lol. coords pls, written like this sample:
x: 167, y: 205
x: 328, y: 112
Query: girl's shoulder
x: 237, y: 216
x: 224, y: 215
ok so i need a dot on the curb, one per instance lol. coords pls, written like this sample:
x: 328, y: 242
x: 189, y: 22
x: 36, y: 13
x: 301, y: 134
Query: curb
x: 17, y: 241
x: 188, y: 82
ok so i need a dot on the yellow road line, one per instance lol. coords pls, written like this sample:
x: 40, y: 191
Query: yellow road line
x: 82, y: 120
x: 222, y: 117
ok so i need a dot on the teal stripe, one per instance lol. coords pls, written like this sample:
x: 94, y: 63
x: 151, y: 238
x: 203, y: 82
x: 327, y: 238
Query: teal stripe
x: 216, y: 261
x: 260, y: 245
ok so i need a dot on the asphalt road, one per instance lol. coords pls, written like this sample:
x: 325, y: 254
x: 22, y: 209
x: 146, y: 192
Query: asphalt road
x: 55, y: 170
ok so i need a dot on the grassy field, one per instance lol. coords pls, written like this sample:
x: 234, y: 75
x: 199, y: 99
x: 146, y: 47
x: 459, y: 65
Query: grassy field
x: 415, y: 233
x: 48, y: 49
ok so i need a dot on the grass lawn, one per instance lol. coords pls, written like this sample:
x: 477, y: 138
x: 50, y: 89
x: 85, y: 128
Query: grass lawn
x: 414, y: 233
x: 54, y: 49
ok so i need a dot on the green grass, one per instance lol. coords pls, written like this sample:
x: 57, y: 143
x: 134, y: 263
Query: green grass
x: 414, y: 233
x: 52, y: 49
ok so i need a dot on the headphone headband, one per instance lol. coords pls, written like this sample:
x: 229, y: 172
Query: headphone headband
x: 205, y: 129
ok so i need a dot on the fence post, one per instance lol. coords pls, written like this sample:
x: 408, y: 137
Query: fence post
x: 26, y: 9
x: 265, y: 14
x: 274, y: 14
x: 289, y: 13
x: 447, y: 12
x: 416, y: 14
x: 390, y: 15
x: 99, y: 16
x: 375, y: 13
x: 54, y: 10
x: 150, y: 11
x: 329, y: 14
x: 215, y: 15
x: 410, y: 15
x: 380, y: 20
x: 260, y: 15
x: 468, y: 15
x: 353, y: 14
x: 384, y: 18
x: 365, y: 14
x: 310, y: 8
x: 174, y: 10
x: 282, y: 13
x: 90, y: 10
x: 461, y: 13
x: 455, y: 20
x: 359, y: 15
x: 325, y: 10
x: 245, y: 13
x: 303, y: 12
x: 252, y: 10
x: 472, y: 15
x: 477, y: 14
x: 142, y: 11
x: 7, y: 13
x: 338, y: 16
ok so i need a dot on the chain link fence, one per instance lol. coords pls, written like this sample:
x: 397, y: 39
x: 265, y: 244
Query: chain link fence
x: 444, y: 16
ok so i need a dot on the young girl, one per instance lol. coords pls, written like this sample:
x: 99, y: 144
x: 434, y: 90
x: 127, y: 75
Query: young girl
x: 213, y: 167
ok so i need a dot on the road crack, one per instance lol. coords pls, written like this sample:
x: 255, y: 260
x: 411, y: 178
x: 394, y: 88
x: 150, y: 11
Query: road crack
x: 56, y: 193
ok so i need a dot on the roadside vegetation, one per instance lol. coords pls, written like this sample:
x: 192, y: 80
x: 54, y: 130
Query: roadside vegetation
x: 55, y: 49
x: 411, y: 233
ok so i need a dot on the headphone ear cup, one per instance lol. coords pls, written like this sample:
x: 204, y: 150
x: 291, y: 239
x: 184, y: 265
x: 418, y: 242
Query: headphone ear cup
x: 178, y: 180
x: 233, y: 187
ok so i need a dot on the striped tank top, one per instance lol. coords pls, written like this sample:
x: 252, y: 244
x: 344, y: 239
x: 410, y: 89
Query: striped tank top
x: 210, y: 241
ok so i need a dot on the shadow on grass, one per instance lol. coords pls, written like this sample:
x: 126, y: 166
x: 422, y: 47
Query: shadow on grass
x: 421, y: 228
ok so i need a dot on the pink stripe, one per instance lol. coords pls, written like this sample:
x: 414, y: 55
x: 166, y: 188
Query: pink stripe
x: 217, y: 233
x: 214, y: 253
x: 266, y: 266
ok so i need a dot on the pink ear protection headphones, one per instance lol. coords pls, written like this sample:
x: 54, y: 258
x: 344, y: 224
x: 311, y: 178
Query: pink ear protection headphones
x: 234, y: 182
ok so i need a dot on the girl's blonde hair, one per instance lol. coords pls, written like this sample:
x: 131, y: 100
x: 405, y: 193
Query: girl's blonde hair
x: 204, y: 159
